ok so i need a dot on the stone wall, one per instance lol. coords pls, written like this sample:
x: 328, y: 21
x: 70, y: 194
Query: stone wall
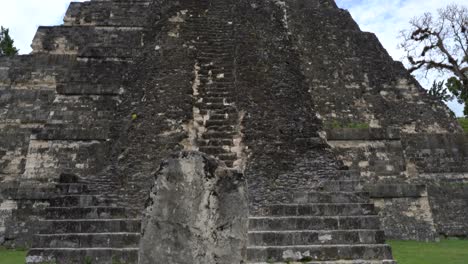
x: 435, y: 161
x: 111, y: 93
x: 355, y: 83
x: 58, y: 108
x: 281, y: 130
x: 379, y: 156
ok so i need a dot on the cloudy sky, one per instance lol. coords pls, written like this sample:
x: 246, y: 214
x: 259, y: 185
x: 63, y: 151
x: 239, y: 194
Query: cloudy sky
x: 385, y: 18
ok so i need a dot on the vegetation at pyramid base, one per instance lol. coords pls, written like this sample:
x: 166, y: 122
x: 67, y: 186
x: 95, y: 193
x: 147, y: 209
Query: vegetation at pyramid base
x: 464, y: 124
x: 439, y: 43
x: 450, y: 251
x: 7, y: 47
x: 12, y: 256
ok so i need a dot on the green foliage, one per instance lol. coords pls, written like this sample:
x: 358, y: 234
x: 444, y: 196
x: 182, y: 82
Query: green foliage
x: 306, y: 259
x: 460, y: 91
x: 12, y: 256
x: 455, y: 86
x: 441, y: 92
x: 464, y: 124
x: 450, y: 251
x: 116, y: 261
x: 88, y: 260
x: 337, y: 124
x: 6, y: 43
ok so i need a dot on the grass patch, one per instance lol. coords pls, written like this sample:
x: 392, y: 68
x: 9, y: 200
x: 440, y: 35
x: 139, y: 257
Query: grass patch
x: 449, y: 251
x: 464, y: 124
x: 11, y: 256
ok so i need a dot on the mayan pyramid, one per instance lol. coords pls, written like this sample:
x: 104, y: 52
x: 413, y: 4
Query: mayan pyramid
x: 339, y: 146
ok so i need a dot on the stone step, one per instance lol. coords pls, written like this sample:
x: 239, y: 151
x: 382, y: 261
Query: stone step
x: 83, y: 255
x: 227, y: 157
x: 214, y: 106
x: 211, y: 30
x: 331, y: 185
x: 225, y: 109
x: 221, y: 75
x: 225, y: 67
x: 212, y: 34
x: 348, y: 174
x: 87, y: 240
x: 72, y: 132
x: 80, y: 201
x: 216, y: 49
x: 213, y: 150
x: 214, y: 117
x: 214, y: 93
x: 210, y: 43
x: 216, y: 142
x: 315, y: 237
x: 212, y: 135
x: 219, y: 122
x: 326, y: 209
x: 216, y: 100
x: 73, y: 188
x: 227, y: 89
x: 214, y: 58
x: 267, y: 223
x: 213, y: 62
x: 227, y: 81
x: 227, y: 128
x: 215, y: 70
x: 196, y: 25
x: 342, y: 186
x: 329, y: 197
x: 306, y: 253
x: 314, y: 185
x: 91, y: 225
x: 96, y: 212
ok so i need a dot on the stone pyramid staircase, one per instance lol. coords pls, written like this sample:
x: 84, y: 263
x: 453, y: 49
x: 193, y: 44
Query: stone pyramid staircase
x: 83, y: 226
x: 336, y: 223
x: 212, y: 34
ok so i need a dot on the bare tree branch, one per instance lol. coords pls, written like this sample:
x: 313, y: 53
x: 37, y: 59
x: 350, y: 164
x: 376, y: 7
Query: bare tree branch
x: 441, y: 44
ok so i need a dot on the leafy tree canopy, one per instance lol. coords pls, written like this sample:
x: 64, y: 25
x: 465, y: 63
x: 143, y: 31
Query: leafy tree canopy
x: 6, y: 43
x: 440, y: 43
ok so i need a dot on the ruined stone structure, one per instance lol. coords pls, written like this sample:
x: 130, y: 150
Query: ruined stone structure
x: 338, y: 145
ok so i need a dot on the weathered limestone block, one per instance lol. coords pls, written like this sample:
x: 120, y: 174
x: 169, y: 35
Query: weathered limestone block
x: 405, y: 211
x: 6, y: 208
x: 197, y: 213
x: 46, y: 160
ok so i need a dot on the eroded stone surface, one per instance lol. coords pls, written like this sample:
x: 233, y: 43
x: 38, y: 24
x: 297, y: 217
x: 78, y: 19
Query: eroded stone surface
x: 197, y: 213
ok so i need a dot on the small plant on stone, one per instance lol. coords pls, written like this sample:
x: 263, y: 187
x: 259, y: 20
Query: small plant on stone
x: 88, y: 260
x: 464, y: 124
x: 116, y: 261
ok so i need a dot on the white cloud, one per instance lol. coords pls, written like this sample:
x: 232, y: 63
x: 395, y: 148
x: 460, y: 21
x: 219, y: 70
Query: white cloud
x: 386, y: 18
x: 23, y: 17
